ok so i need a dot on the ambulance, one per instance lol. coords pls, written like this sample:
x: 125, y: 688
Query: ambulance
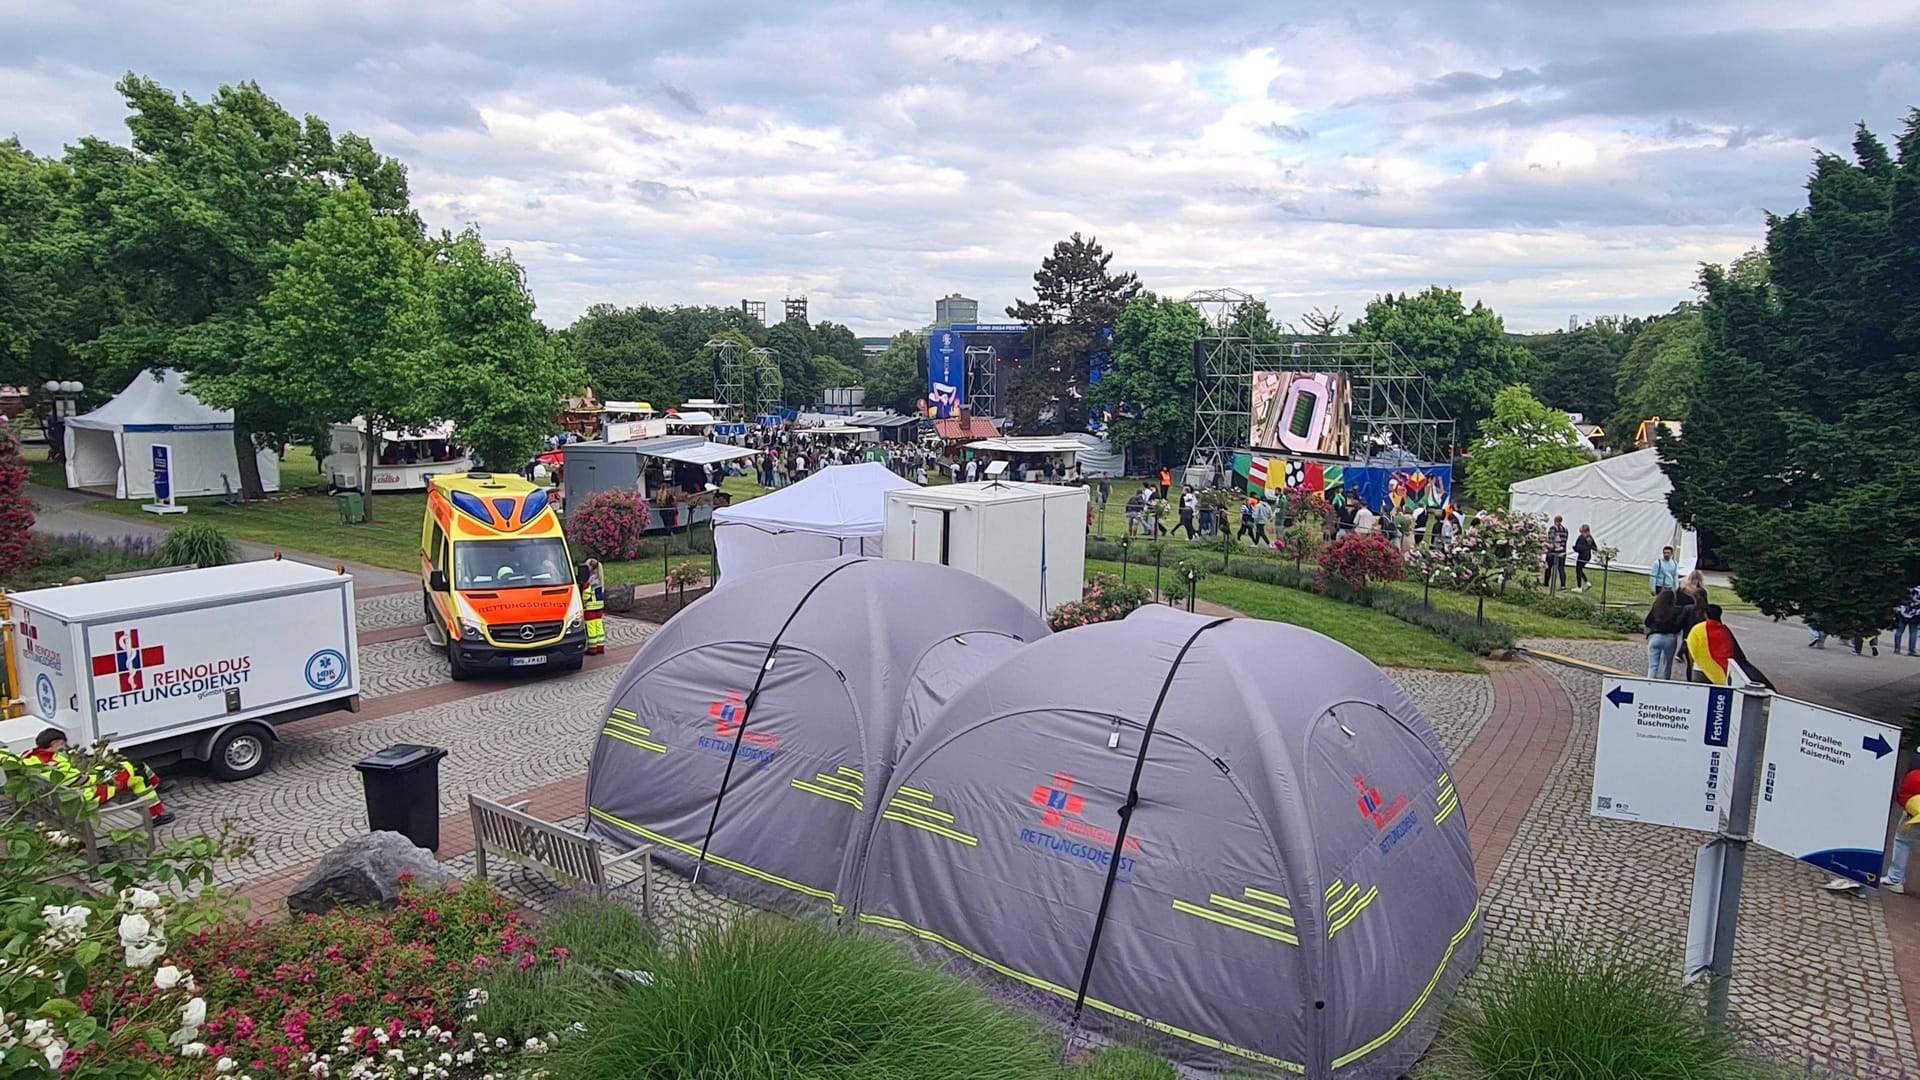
x: 498, y: 580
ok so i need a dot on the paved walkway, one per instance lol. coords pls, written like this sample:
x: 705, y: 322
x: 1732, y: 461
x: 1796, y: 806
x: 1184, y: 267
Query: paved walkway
x: 66, y: 513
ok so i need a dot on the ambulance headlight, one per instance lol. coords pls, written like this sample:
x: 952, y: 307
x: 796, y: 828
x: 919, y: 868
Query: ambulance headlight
x: 576, y: 624
x: 471, y: 632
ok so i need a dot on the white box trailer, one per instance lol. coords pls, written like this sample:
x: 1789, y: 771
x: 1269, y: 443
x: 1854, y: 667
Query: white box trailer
x: 1029, y: 539
x: 197, y: 664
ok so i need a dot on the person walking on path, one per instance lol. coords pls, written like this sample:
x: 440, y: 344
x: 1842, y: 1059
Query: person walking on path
x: 1872, y: 643
x: 1906, y: 620
x: 1662, y: 626
x: 1262, y: 517
x: 1189, y: 502
x: 1166, y: 483
x: 1556, y: 553
x: 1665, y: 573
x: 1907, y: 800
x: 1106, y: 490
x: 1584, y: 546
x: 1716, y: 652
x: 1246, y: 521
x: 1363, y: 520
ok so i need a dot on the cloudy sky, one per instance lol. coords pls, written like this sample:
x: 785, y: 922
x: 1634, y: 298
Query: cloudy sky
x: 1553, y: 158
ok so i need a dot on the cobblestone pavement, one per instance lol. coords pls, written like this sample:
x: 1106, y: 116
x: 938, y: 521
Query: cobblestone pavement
x: 387, y: 612
x: 390, y: 667
x: 506, y: 737
x: 1812, y: 969
x: 1455, y: 703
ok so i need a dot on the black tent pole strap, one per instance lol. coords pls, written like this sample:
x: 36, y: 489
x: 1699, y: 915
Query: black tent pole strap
x: 1126, y: 818
x: 746, y: 715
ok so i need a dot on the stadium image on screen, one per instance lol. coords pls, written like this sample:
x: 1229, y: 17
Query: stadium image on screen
x: 1305, y: 412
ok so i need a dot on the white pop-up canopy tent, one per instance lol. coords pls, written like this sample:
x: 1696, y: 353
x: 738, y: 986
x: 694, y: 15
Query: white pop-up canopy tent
x: 112, y: 446
x: 1623, y: 498
x: 836, y: 511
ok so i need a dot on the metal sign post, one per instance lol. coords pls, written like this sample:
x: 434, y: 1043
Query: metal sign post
x: 1746, y: 764
x: 163, y: 482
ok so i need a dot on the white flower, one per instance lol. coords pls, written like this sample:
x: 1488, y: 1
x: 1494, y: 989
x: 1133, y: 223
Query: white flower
x: 194, y: 1049
x: 38, y: 1031
x: 166, y: 978
x: 224, y: 1065
x: 66, y: 922
x: 134, y: 929
x: 56, y: 1052
x: 445, y: 1059
x: 397, y: 1055
x: 140, y: 899
x: 139, y: 956
x: 60, y: 839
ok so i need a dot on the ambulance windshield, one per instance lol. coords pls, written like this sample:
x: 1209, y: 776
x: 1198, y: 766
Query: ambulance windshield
x: 510, y: 564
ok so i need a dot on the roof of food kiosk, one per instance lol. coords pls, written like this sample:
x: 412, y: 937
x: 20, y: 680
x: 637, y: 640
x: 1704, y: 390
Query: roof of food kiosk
x: 1027, y: 444
x: 689, y: 448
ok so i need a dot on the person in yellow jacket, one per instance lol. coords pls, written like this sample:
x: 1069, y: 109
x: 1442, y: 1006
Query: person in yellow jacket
x: 103, y: 781
x: 593, y: 597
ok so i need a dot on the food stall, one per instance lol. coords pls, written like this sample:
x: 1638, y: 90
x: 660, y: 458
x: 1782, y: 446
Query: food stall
x: 1031, y: 457
x: 668, y: 471
x: 406, y: 458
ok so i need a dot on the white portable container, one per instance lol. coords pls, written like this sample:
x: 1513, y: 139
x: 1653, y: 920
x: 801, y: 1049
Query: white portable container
x: 196, y: 664
x: 1029, y: 539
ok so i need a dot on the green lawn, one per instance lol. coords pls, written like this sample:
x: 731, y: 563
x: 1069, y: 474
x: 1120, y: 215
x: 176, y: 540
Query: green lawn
x: 1524, y: 622
x: 1380, y: 638
x: 311, y: 523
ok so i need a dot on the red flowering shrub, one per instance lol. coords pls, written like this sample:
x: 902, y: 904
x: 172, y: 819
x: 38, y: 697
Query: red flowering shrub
x: 608, y: 526
x: 342, y: 987
x: 1360, y: 560
x: 16, y: 510
x: 1106, y: 598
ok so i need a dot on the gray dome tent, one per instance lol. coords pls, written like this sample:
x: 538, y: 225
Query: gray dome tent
x: 1293, y: 889
x: 754, y: 733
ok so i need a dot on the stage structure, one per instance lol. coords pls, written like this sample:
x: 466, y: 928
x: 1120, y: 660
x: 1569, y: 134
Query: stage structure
x: 1389, y: 413
x: 754, y: 309
x: 746, y: 382
x: 796, y: 308
x: 983, y: 380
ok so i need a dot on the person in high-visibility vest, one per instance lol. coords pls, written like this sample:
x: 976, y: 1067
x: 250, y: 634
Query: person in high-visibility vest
x: 103, y: 782
x: 593, y: 597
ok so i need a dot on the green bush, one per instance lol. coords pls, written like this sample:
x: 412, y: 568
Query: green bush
x: 770, y: 998
x: 599, y: 937
x: 197, y: 544
x: 1564, y: 1012
x: 1478, y: 638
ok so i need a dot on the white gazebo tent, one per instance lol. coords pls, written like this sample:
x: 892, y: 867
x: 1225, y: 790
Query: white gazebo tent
x: 837, y: 511
x: 112, y: 446
x: 1623, y: 498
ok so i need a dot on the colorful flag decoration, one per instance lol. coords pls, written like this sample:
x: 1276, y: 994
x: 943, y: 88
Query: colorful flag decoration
x: 1257, y: 475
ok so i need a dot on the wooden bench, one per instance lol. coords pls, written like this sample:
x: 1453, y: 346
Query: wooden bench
x: 570, y: 857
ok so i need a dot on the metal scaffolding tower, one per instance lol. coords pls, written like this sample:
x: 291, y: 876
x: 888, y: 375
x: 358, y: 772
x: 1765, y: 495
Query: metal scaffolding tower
x: 796, y: 308
x: 983, y: 380
x: 1391, y: 411
x: 754, y: 309
x: 766, y: 381
x: 746, y: 382
x: 729, y: 374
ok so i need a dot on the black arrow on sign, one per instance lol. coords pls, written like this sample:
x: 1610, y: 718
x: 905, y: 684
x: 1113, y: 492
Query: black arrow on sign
x: 1877, y: 744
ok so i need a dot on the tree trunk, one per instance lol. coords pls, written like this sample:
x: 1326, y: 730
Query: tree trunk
x: 248, y: 457
x: 369, y: 457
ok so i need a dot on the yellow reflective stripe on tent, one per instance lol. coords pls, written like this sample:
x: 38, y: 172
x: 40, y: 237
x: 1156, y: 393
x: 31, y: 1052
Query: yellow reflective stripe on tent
x: 1345, y: 899
x: 641, y: 743
x: 1349, y: 914
x: 1267, y: 897
x: 1413, y: 1009
x: 1199, y: 912
x: 625, y: 714
x: 1333, y: 888
x: 937, y: 830
x: 624, y: 726
x: 937, y: 815
x: 1446, y: 804
x: 917, y: 793
x: 855, y: 773
x: 837, y: 782
x: 827, y: 793
x: 689, y: 849
x: 1111, y: 1010
x: 1231, y: 904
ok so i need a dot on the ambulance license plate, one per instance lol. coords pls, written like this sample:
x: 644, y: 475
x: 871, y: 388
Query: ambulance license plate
x: 526, y: 661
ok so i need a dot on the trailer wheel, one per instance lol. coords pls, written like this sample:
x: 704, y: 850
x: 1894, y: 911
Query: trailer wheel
x: 241, y: 752
x: 459, y: 671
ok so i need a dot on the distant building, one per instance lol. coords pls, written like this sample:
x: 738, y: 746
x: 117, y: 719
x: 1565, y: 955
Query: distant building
x: 873, y: 346
x: 955, y: 309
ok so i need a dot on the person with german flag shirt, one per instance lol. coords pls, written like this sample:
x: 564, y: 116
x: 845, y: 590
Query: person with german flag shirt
x: 1714, y: 651
x: 103, y: 783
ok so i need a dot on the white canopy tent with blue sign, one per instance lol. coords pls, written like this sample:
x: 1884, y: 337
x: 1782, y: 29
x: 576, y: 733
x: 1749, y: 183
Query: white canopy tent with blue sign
x: 112, y: 446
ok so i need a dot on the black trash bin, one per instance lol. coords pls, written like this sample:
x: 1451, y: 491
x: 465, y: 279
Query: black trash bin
x: 403, y: 792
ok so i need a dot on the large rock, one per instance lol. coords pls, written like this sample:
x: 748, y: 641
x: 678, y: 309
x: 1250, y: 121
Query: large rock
x: 366, y: 870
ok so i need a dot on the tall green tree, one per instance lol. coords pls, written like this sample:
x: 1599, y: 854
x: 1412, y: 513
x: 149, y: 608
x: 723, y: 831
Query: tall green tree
x: 834, y: 340
x: 897, y: 378
x: 1578, y: 370
x: 1077, y: 299
x: 1799, y: 456
x: 1660, y: 373
x: 347, y: 329
x: 1150, y: 387
x: 1464, y: 352
x: 793, y: 348
x: 621, y: 356
x: 497, y: 375
x: 1524, y: 438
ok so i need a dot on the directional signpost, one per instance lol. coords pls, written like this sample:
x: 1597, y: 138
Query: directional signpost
x: 1665, y: 753
x: 1825, y: 785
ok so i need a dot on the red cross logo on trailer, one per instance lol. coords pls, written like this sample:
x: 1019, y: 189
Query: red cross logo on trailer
x: 728, y: 714
x: 128, y: 660
x: 1058, y: 799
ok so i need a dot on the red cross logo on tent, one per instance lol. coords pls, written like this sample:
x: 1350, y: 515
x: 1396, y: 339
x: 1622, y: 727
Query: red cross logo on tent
x: 729, y: 713
x: 128, y: 659
x: 1058, y: 799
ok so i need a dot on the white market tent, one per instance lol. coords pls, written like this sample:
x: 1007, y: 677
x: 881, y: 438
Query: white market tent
x: 112, y: 446
x: 1623, y: 498
x: 836, y: 511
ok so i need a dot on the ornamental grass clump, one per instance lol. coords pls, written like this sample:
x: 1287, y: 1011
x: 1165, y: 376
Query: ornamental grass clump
x: 769, y: 998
